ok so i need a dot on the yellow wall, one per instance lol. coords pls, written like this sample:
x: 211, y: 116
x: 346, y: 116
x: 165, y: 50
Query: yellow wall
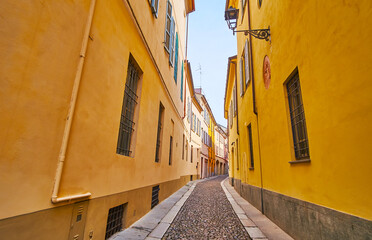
x: 333, y: 62
x: 40, y: 47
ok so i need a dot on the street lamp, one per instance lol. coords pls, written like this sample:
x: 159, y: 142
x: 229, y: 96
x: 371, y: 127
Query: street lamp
x: 231, y: 16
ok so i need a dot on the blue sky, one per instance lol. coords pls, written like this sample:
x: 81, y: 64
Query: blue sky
x: 210, y: 44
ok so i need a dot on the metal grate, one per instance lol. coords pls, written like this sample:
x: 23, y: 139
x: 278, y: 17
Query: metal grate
x: 127, y: 113
x: 250, y: 145
x: 114, y: 220
x: 155, y: 196
x: 300, y: 140
x: 158, y: 138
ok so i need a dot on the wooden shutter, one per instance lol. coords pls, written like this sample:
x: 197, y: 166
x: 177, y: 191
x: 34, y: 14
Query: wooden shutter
x: 246, y: 58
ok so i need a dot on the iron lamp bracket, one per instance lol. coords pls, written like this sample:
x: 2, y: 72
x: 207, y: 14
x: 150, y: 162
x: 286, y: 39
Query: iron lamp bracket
x: 257, y: 33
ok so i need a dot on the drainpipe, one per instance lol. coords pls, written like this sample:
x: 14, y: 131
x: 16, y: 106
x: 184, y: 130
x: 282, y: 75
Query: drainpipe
x: 70, y: 115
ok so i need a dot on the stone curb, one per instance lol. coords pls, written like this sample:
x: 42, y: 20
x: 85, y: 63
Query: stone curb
x: 253, y: 231
x: 155, y: 223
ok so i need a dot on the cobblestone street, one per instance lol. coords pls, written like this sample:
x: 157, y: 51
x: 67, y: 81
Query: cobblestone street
x: 207, y: 214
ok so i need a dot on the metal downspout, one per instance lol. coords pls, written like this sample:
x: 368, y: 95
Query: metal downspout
x: 70, y: 115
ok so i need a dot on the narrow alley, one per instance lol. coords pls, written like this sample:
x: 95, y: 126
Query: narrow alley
x: 207, y: 214
x: 204, y: 209
x: 185, y: 119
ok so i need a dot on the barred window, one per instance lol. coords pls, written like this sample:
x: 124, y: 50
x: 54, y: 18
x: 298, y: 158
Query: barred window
x: 115, y: 220
x: 250, y: 146
x: 160, y: 132
x: 128, y: 109
x: 299, y: 132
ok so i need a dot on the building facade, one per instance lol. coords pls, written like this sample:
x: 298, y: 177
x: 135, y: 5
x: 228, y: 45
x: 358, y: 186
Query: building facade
x: 91, y: 109
x: 221, y: 150
x: 298, y: 107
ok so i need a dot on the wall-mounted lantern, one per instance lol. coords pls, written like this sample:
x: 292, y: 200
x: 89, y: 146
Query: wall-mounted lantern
x: 231, y: 16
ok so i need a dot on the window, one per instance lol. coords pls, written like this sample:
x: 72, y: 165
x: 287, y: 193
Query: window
x: 234, y: 102
x: 250, y: 146
x: 187, y: 150
x: 183, y: 147
x: 160, y: 132
x: 176, y: 60
x: 169, y: 33
x: 297, y: 114
x: 182, y: 82
x: 244, y: 69
x: 154, y: 7
x: 237, y: 154
x: 246, y: 64
x: 193, y: 122
x: 170, y: 149
x: 130, y: 100
x: 155, y: 196
x: 191, y: 153
x: 259, y: 2
x: 168, y: 27
x: 171, y: 43
x: 243, y: 3
x: 114, y: 220
x: 231, y: 114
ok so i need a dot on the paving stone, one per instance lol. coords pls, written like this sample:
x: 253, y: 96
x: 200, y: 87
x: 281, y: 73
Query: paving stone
x: 170, y: 216
x: 255, y: 233
x: 242, y: 216
x: 159, y: 231
x: 152, y: 238
x: 247, y: 223
x: 132, y: 234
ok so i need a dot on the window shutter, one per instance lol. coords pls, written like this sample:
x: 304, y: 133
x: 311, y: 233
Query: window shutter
x: 182, y: 82
x: 168, y: 27
x: 246, y: 53
x: 176, y: 60
x: 171, y: 43
x: 241, y: 78
x: 155, y: 7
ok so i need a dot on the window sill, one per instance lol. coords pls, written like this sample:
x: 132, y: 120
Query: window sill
x: 251, y: 168
x: 300, y: 161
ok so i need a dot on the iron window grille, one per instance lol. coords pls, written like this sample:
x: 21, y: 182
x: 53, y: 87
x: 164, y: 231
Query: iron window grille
x: 250, y: 145
x: 158, y: 138
x: 297, y: 114
x: 155, y: 196
x: 128, y: 108
x: 114, y: 220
